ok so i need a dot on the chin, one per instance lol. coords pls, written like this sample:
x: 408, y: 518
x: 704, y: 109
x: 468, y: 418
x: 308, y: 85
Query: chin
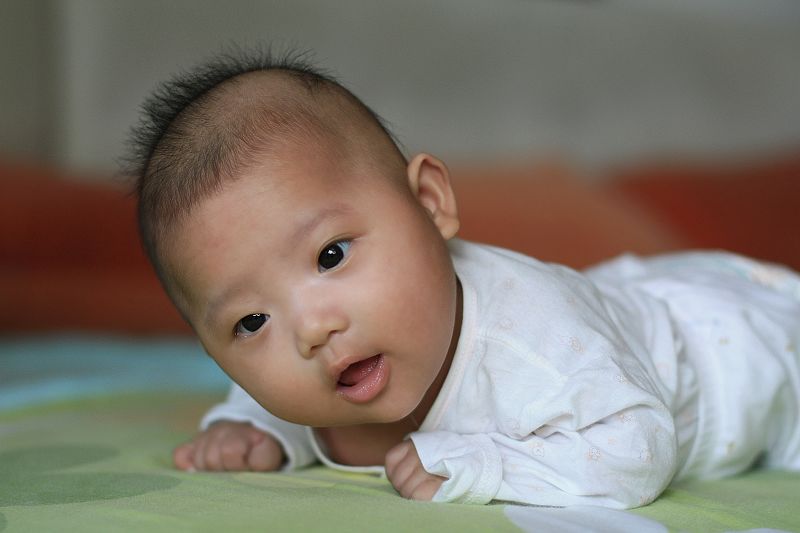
x: 390, y: 415
x: 398, y: 411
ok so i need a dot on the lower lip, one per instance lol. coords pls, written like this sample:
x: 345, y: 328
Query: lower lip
x: 369, y: 387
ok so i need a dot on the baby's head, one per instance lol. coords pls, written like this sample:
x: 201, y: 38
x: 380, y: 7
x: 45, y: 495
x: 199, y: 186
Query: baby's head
x: 307, y: 254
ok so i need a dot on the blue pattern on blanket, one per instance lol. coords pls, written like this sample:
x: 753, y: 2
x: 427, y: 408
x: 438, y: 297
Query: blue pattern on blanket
x: 54, y: 368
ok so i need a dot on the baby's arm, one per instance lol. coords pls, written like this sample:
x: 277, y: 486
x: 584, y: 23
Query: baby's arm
x: 622, y: 461
x: 239, y: 434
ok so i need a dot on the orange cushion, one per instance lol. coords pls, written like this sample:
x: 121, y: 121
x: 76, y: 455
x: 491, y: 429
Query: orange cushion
x: 545, y: 211
x: 70, y: 258
x: 752, y: 209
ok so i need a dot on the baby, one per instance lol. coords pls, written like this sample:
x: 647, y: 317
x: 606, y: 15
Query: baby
x: 320, y: 270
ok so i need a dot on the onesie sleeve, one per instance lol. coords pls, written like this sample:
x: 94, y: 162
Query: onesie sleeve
x: 241, y: 407
x: 624, y: 460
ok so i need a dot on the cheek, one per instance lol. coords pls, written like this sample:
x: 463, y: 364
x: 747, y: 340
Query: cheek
x: 274, y: 387
x: 416, y: 299
x: 254, y: 371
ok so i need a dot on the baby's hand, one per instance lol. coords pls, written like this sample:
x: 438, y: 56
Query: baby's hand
x: 231, y: 446
x: 409, y: 478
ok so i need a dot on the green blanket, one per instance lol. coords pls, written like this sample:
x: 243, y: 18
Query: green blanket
x: 98, y: 459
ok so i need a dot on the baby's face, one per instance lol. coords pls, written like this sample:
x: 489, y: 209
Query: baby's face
x: 325, y: 291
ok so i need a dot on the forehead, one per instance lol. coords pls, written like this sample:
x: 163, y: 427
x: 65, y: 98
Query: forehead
x: 282, y: 190
x: 274, y: 198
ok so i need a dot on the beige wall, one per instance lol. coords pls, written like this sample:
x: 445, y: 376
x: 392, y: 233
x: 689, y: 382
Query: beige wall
x: 26, y: 79
x: 596, y: 80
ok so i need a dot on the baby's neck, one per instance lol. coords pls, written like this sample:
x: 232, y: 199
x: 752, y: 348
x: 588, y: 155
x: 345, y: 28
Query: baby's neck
x: 365, y: 444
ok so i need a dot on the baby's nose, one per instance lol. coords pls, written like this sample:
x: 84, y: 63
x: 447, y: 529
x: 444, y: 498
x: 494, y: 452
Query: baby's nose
x: 315, y: 329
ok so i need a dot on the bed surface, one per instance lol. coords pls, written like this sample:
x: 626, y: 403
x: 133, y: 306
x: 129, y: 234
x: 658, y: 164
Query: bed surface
x: 95, y: 456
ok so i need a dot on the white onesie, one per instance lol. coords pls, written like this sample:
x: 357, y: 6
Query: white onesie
x: 600, y: 388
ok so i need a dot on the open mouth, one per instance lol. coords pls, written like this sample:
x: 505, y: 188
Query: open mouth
x: 363, y: 380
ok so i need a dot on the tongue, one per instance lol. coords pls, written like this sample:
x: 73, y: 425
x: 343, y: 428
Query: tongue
x: 358, y: 371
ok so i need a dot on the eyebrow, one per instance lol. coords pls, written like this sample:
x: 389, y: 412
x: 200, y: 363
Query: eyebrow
x: 213, y: 308
x: 311, y: 222
x: 304, y: 227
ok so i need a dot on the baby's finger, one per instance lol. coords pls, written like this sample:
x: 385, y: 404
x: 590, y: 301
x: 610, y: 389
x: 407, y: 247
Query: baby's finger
x: 394, y: 457
x: 416, y: 479
x: 265, y: 456
x: 199, y: 453
x: 404, y: 470
x: 233, y: 453
x: 182, y: 457
x: 425, y: 490
x: 212, y: 453
x: 255, y: 436
x: 207, y: 455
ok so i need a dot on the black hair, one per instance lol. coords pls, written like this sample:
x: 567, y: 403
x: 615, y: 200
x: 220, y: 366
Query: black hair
x: 178, y: 153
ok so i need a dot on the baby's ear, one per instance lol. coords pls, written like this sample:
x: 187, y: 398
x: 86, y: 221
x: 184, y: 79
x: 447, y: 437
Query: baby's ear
x: 429, y: 181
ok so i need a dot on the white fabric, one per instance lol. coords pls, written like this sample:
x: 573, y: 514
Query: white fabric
x: 579, y: 519
x: 600, y: 388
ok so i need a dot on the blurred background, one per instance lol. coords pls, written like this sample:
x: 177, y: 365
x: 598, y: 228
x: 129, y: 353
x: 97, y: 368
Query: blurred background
x: 595, y: 82
x: 576, y: 130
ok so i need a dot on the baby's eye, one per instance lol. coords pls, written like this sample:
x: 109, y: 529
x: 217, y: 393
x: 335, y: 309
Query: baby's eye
x: 250, y: 324
x: 333, y: 254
